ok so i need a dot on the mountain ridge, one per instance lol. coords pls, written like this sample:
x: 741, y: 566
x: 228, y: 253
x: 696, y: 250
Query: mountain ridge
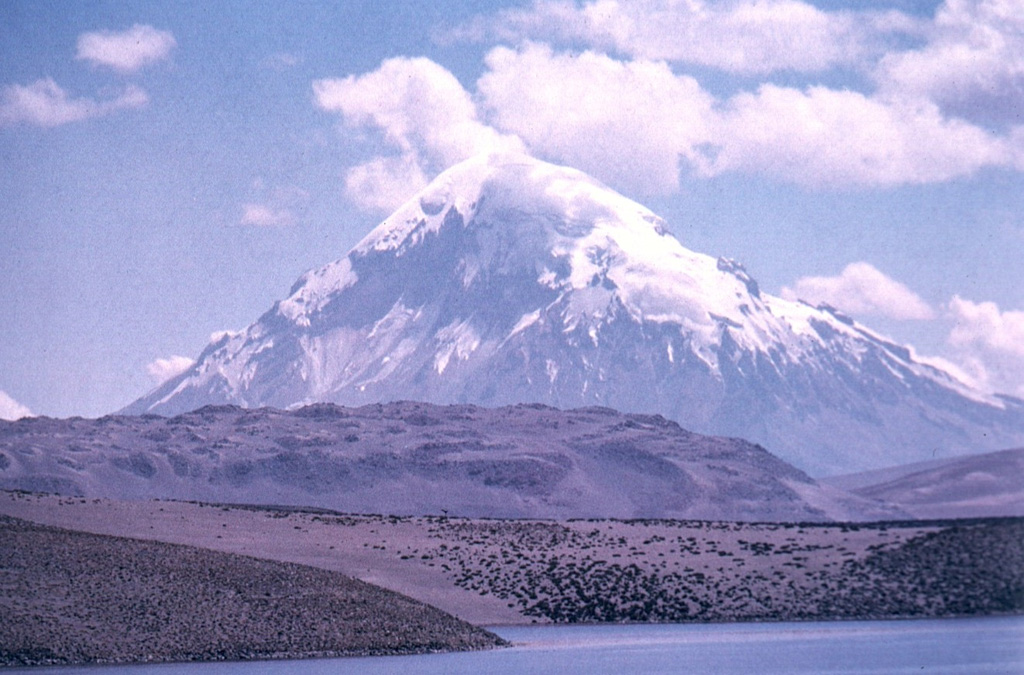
x: 509, y: 280
x: 979, y: 486
x: 524, y: 461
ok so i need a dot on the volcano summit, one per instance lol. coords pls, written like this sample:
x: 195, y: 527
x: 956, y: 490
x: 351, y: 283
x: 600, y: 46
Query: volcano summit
x: 510, y: 280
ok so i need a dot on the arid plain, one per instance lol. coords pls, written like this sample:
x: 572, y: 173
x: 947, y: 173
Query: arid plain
x: 493, y: 572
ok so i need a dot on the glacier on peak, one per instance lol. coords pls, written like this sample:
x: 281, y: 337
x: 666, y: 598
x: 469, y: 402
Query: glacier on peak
x: 511, y: 280
x: 598, y: 238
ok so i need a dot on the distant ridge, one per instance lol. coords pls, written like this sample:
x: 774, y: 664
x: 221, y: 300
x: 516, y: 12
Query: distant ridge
x: 524, y: 461
x: 979, y: 486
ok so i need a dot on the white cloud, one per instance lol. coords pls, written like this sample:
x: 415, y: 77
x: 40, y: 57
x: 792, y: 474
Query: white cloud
x: 627, y: 123
x: 43, y: 103
x: 989, y: 342
x: 637, y: 123
x: 277, y: 208
x: 128, y: 50
x: 860, y: 289
x: 423, y: 112
x: 218, y: 335
x: 262, y: 215
x: 630, y: 123
x: 825, y: 137
x: 968, y: 376
x: 11, y: 409
x: 161, y: 370
x: 972, y: 63
x: 385, y: 183
x: 741, y: 36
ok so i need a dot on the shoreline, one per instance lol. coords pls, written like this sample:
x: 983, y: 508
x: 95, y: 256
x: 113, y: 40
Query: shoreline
x: 554, y: 639
x: 496, y: 573
x: 76, y: 598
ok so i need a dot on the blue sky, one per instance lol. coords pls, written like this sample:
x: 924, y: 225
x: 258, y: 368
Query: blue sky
x: 167, y: 170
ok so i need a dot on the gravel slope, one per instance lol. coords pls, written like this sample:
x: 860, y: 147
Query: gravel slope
x: 73, y: 597
x: 492, y: 572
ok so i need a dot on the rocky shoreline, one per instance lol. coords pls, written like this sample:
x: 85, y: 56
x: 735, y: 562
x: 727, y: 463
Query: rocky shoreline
x: 79, y: 598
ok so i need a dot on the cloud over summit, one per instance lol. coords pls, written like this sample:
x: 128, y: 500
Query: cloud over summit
x: 861, y: 289
x: 805, y: 94
x: 422, y: 112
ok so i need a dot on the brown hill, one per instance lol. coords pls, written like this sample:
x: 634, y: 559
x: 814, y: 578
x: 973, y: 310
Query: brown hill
x: 523, y: 461
x: 75, y: 597
x: 977, y: 486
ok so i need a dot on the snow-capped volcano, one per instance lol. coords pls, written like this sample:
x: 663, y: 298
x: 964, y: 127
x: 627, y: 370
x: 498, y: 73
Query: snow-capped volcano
x: 511, y: 280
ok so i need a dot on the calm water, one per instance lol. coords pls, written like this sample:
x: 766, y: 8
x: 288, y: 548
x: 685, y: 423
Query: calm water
x: 974, y: 646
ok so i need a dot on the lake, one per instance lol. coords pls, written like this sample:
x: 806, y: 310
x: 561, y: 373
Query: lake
x: 951, y: 646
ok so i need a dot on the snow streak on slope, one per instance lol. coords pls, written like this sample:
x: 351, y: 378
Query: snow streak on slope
x: 510, y: 280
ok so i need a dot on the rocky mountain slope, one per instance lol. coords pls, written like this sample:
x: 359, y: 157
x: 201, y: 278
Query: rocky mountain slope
x: 509, y: 280
x: 413, y: 458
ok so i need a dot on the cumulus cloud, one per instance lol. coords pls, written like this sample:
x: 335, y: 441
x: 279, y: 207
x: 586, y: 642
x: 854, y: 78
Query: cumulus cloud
x: 384, y: 183
x: 422, y: 111
x: 161, y: 370
x: 972, y: 63
x: 636, y: 124
x: 622, y: 110
x: 628, y: 123
x: 742, y: 36
x: 11, y: 409
x: 825, y: 137
x: 125, y: 51
x: 861, y: 289
x: 43, y: 103
x: 989, y: 342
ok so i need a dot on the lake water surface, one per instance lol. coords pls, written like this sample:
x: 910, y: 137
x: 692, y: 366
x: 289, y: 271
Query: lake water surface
x: 975, y: 646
